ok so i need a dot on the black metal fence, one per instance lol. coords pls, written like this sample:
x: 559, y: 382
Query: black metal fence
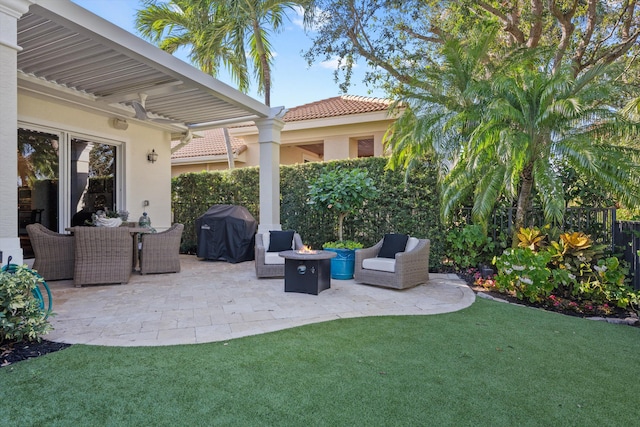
x: 597, y: 222
x: 622, y: 237
x: 627, y: 240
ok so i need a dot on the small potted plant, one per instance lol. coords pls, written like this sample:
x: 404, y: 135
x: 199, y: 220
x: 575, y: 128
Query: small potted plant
x: 343, y: 192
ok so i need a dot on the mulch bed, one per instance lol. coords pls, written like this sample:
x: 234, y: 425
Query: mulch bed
x: 16, y: 351
x: 618, y: 315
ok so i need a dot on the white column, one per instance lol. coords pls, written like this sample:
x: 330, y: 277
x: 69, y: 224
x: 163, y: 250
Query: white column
x: 10, y: 12
x: 269, y: 142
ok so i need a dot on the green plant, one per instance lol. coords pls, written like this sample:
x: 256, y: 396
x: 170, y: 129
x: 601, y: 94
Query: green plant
x: 579, y: 277
x: 607, y: 283
x: 532, y: 238
x: 469, y: 246
x: 576, y: 254
x: 343, y: 244
x: 525, y: 273
x: 20, y: 314
x: 342, y: 191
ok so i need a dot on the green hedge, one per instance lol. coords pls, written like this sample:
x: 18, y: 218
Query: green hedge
x: 412, y: 208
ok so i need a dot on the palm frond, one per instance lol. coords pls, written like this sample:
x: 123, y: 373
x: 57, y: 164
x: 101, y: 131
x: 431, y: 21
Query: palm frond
x: 549, y: 186
x: 487, y: 193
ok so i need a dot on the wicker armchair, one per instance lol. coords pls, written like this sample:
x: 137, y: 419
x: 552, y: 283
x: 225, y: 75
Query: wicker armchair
x: 54, y: 255
x: 411, y: 267
x: 269, y: 264
x: 160, y: 252
x: 103, y: 255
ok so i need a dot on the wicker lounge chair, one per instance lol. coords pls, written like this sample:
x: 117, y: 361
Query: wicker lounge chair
x: 54, y: 255
x: 408, y: 269
x: 102, y: 255
x: 269, y: 264
x: 160, y: 252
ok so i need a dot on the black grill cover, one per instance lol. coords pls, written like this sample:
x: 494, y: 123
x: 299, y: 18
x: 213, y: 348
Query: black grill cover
x: 226, y: 232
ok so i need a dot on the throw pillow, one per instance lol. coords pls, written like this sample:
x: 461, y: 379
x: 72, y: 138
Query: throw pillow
x: 280, y: 240
x: 411, y: 244
x: 392, y: 244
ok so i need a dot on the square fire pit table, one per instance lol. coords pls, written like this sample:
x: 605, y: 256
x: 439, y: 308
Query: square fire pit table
x: 307, y: 272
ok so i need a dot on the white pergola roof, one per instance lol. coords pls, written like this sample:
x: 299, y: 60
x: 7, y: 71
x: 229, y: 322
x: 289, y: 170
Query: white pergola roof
x: 74, y: 55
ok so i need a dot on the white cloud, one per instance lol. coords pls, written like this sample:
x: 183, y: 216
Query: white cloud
x: 334, y: 64
x: 298, y: 18
x: 321, y: 17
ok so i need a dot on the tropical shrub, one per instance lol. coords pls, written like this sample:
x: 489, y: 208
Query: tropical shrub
x: 525, y: 273
x: 532, y: 238
x: 469, y: 246
x: 570, y: 272
x: 21, y: 317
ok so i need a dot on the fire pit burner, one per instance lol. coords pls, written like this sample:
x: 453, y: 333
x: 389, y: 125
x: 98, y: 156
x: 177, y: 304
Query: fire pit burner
x: 305, y: 272
x: 306, y: 250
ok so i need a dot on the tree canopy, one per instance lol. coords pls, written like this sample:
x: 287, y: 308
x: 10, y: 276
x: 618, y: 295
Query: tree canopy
x: 504, y: 95
x: 399, y: 37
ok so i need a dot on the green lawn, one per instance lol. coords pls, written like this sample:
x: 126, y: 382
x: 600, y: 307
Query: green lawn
x: 492, y: 364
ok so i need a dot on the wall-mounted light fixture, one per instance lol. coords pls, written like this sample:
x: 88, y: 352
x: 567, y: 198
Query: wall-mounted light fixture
x: 120, y: 124
x: 152, y: 156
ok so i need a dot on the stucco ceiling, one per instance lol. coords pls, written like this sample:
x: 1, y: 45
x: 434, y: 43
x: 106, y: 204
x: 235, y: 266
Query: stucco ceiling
x: 74, y: 55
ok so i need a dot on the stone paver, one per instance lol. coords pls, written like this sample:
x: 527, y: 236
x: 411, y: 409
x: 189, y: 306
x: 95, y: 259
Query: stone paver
x: 217, y: 301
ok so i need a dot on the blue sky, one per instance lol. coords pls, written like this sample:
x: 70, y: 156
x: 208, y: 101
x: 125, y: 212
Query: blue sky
x: 294, y: 82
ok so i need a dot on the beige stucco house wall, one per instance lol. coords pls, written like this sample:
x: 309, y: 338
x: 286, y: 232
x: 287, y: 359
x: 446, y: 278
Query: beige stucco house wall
x: 140, y: 180
x: 67, y: 75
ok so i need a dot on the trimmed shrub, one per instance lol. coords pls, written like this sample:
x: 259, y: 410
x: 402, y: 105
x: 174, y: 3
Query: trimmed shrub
x: 21, y: 317
x: 411, y: 208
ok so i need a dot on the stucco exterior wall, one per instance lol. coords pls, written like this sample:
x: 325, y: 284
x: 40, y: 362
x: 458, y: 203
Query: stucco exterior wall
x: 141, y: 180
x: 290, y: 154
x: 339, y: 136
x: 195, y: 168
x: 221, y: 164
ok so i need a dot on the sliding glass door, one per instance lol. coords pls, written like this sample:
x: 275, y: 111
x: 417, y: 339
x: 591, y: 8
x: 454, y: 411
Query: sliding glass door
x: 63, y: 179
x: 38, y: 180
x: 93, y: 179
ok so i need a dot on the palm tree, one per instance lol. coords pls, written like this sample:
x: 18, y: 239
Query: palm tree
x: 509, y: 132
x: 221, y: 33
x: 187, y: 23
x: 438, y: 118
x: 216, y: 33
x: 536, y: 121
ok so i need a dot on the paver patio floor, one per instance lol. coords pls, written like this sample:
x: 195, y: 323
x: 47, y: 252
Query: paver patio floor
x: 217, y: 301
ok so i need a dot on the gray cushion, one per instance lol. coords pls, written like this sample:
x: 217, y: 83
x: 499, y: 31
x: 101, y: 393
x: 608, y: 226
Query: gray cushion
x: 380, y: 264
x: 411, y: 244
x: 272, y: 258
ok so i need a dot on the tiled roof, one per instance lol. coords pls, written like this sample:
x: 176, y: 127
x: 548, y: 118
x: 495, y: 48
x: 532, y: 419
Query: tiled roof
x: 212, y: 144
x: 337, y: 106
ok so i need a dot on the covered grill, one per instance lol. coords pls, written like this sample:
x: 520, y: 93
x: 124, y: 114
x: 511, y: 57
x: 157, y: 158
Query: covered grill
x: 226, y: 232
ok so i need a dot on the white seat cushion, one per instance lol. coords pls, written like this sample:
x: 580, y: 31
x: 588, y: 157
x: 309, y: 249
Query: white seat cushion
x: 411, y: 244
x: 272, y: 258
x: 380, y: 264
